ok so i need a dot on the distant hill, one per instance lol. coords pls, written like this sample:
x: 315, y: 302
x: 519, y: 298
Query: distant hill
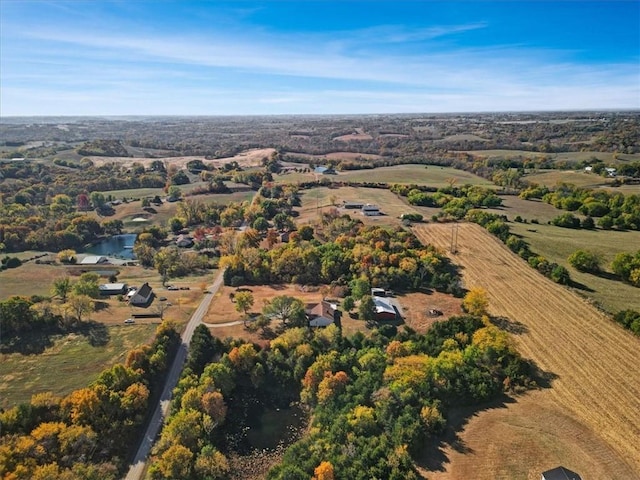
x: 103, y: 148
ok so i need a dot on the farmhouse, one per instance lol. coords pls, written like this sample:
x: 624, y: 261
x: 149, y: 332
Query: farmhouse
x: 560, y: 473
x: 94, y: 260
x: 370, y: 210
x: 142, y: 296
x: 113, y: 288
x: 385, y: 310
x: 322, y: 314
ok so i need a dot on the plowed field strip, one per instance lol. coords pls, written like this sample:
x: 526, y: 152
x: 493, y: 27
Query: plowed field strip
x: 595, y: 360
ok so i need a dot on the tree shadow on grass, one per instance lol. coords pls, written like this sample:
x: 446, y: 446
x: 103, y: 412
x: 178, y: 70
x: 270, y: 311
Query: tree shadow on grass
x: 514, y: 327
x: 433, y: 455
x: 36, y: 342
x: 580, y: 286
x: 96, y: 333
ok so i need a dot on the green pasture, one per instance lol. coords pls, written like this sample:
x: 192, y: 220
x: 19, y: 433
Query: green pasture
x: 69, y: 363
x: 571, y: 157
x: 556, y: 244
x: 431, y: 175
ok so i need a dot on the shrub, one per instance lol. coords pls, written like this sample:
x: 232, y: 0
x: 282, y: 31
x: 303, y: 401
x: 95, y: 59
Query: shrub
x: 585, y: 261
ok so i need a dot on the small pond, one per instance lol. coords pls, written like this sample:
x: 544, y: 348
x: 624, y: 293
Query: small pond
x: 274, y: 427
x: 120, y: 246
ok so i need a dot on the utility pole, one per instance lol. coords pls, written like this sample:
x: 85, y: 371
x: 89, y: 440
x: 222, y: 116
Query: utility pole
x: 454, y: 238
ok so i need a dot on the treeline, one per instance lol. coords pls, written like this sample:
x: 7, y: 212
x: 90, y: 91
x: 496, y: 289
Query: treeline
x: 613, y: 209
x: 373, y: 402
x: 89, y: 433
x: 454, y: 201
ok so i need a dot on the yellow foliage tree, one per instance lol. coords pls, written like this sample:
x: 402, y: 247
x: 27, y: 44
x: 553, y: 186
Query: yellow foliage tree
x: 476, y: 302
x: 324, y: 471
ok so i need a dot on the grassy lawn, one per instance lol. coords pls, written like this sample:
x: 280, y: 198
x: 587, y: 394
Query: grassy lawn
x: 70, y: 363
x: 556, y: 244
x: 431, y: 175
x: 551, y: 178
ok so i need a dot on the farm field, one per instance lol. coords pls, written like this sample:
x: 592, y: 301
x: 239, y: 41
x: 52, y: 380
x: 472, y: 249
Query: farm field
x: 607, y: 157
x: 431, y: 175
x: 556, y: 244
x: 71, y: 362
x: 551, y: 178
x: 592, y: 361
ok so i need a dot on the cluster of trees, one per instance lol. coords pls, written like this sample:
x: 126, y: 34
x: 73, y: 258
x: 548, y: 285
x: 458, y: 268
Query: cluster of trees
x: 454, y: 201
x: 613, y: 209
x: 497, y: 225
x: 88, y: 433
x: 629, y: 319
x: 373, y: 402
x: 350, y: 250
x: 627, y: 266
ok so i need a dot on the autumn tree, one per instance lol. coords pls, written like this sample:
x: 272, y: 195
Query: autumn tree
x: 80, y: 305
x: 244, y: 302
x: 211, y: 464
x: 367, y: 309
x: 324, y: 471
x: 87, y: 285
x: 476, y: 302
x: 585, y: 261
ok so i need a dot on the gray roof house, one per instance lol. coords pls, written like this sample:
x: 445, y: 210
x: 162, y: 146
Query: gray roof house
x: 321, y: 314
x: 560, y: 473
x: 142, y: 296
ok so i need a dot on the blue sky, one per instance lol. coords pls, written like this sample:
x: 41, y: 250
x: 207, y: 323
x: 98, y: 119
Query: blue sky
x: 241, y: 57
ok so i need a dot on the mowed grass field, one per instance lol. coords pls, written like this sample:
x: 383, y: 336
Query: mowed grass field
x: 551, y: 178
x: 556, y: 244
x: 589, y: 418
x: 70, y: 363
x: 431, y: 175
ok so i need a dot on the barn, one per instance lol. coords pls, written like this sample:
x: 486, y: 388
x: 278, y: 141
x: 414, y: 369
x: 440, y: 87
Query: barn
x: 141, y: 297
x: 385, y: 311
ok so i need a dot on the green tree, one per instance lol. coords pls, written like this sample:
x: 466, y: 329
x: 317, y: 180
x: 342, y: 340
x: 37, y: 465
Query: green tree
x: 367, y: 309
x: 360, y: 287
x: 61, y: 288
x: 97, y: 200
x: 289, y: 310
x: 87, y: 285
x: 167, y: 262
x: 211, y: 464
x: 348, y: 303
x: 585, y: 261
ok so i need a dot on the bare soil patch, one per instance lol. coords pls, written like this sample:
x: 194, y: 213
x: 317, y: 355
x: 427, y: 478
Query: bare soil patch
x: 593, y: 361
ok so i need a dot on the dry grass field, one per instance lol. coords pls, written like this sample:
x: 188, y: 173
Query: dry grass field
x: 589, y: 418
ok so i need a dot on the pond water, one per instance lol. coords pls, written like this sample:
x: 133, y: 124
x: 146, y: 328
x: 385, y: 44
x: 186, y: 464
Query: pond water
x: 120, y: 246
x: 274, y: 427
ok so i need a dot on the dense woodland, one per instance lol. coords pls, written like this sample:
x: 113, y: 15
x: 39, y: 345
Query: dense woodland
x: 372, y: 402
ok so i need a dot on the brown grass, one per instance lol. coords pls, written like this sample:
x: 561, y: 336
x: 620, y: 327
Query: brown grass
x: 596, y: 390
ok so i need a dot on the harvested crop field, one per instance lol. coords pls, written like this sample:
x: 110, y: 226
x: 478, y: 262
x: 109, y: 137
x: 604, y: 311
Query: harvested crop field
x: 593, y: 363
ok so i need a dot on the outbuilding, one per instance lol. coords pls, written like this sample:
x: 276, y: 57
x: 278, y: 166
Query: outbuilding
x: 560, y: 473
x: 113, y: 288
x: 385, y: 311
x: 94, y: 260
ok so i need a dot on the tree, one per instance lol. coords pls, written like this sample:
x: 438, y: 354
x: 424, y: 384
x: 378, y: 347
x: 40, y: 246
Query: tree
x: 211, y: 464
x: 367, y: 309
x: 67, y: 256
x: 174, y: 192
x: 166, y: 261
x: 261, y: 224
x: 289, y: 310
x: 61, y: 288
x: 97, y: 200
x: 360, y: 287
x: 324, y: 471
x: 348, y: 303
x: 80, y: 305
x: 174, y: 463
x: 585, y: 261
x: 244, y: 301
x: 87, y: 285
x: 476, y: 302
x: 113, y: 227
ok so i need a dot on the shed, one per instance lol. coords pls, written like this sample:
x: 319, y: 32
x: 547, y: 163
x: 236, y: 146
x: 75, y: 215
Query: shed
x: 142, y: 296
x: 370, y: 210
x: 113, y: 288
x: 560, y: 473
x: 384, y: 309
x: 353, y: 205
x: 94, y: 260
x: 325, y: 170
x: 184, y: 241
